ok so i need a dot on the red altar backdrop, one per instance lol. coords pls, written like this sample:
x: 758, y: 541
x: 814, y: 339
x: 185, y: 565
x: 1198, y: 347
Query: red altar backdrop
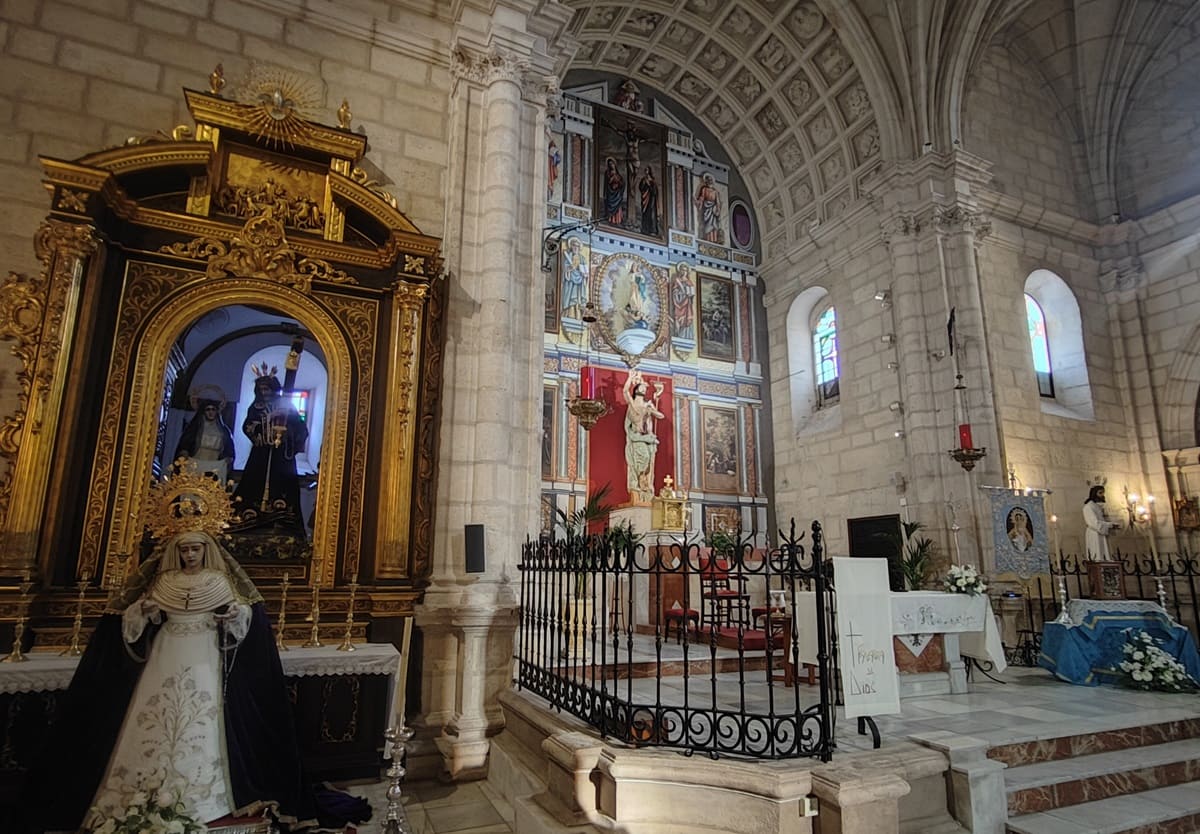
x: 606, y: 440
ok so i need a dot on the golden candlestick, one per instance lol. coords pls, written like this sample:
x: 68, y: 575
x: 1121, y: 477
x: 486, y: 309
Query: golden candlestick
x: 346, y: 645
x: 314, y: 613
x: 279, y: 644
x: 17, y: 655
x: 74, y: 650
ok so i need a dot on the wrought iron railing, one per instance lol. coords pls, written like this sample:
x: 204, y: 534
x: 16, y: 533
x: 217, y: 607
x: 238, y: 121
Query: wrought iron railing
x: 710, y: 692
x: 1171, y: 579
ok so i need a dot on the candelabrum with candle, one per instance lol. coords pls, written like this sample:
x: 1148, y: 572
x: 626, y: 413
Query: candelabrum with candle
x: 74, y: 650
x: 17, y: 655
x: 397, y: 738
x: 283, y: 595
x: 347, y: 645
x: 314, y: 612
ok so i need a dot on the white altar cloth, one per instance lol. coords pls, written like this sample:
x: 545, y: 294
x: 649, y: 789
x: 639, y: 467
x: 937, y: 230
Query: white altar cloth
x: 966, y: 623
x: 45, y: 672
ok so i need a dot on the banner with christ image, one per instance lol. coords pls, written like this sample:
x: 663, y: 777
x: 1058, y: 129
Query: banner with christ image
x: 1019, y: 531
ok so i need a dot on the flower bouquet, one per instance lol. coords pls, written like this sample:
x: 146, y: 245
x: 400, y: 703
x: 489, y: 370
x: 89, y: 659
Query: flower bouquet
x: 147, y: 811
x: 964, y: 579
x: 1147, y: 666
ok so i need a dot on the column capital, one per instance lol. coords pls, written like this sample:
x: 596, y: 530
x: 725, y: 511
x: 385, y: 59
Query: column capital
x: 898, y: 225
x: 959, y: 218
x: 487, y: 67
x: 1122, y: 275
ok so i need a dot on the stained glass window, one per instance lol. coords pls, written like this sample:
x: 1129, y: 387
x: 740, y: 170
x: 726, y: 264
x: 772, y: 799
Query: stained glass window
x: 1040, y: 345
x: 299, y: 401
x: 826, y: 356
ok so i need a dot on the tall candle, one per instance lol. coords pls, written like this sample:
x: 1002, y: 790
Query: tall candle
x: 964, y: 436
x: 587, y: 382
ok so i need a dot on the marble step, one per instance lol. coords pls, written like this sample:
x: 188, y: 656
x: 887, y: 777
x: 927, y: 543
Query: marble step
x: 1054, y: 784
x: 1171, y: 810
x: 1032, y: 751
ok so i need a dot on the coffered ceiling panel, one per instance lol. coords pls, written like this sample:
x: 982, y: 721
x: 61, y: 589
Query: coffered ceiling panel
x: 770, y: 78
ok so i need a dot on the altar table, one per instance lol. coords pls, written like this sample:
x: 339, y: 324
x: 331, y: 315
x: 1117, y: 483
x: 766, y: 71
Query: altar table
x: 966, y: 623
x: 1090, y: 649
x: 343, y: 703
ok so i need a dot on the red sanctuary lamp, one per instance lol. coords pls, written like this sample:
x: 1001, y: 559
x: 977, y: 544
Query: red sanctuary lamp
x: 966, y: 454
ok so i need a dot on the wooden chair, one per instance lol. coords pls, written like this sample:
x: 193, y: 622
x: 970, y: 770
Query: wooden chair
x: 721, y: 603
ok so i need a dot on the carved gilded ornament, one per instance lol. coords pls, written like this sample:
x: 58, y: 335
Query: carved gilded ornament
x: 69, y: 200
x: 31, y: 314
x: 361, y: 177
x: 260, y: 250
x: 487, y: 67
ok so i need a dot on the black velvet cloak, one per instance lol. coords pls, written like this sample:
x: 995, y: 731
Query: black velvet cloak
x: 260, y: 734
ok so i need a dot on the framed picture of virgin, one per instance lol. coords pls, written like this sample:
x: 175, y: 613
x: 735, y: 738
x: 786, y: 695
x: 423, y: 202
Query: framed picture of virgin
x: 716, y: 317
x: 1019, y: 532
x: 721, y: 461
x: 630, y: 165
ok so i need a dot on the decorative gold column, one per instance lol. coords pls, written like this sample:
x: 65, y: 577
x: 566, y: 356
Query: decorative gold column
x: 404, y: 370
x: 40, y: 315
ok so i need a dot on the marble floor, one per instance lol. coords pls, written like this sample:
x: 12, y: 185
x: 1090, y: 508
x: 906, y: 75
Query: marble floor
x: 1026, y: 705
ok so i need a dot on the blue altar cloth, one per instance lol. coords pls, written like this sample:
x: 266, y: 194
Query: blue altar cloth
x: 1090, y: 653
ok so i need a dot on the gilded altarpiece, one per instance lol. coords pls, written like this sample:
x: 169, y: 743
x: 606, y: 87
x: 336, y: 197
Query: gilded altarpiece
x: 145, y: 240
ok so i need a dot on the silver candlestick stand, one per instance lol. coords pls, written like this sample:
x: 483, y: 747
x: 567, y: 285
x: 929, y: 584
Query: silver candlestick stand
x: 1063, y: 617
x: 398, y: 739
x: 1162, y: 593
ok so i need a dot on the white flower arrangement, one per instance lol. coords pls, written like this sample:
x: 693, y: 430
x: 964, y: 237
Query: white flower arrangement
x: 150, y: 807
x: 1148, y: 666
x: 964, y: 579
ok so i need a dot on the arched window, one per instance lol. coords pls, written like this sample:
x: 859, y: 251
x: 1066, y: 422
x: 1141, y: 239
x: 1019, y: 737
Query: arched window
x: 813, y: 368
x: 1056, y: 334
x: 825, y: 357
x: 1040, y: 344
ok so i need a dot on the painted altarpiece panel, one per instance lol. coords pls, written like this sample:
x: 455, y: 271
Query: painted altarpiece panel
x: 630, y: 174
x: 716, y: 317
x: 720, y: 469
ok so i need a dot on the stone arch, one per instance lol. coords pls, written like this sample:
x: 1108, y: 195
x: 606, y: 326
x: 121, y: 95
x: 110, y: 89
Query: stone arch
x: 1180, y: 394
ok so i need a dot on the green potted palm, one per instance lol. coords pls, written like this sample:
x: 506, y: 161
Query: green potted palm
x: 575, y: 525
x: 912, y: 554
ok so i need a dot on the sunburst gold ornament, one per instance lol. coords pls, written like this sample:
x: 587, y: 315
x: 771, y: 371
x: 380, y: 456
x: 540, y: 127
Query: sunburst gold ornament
x: 187, y: 501
x: 282, y: 106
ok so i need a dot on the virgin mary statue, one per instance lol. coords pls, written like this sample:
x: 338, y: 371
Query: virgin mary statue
x: 179, y: 697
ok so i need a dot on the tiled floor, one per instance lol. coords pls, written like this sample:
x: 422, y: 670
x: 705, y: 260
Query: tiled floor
x: 1029, y: 705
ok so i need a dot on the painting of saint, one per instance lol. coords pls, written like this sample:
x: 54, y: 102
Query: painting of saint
x: 574, y: 278
x: 716, y: 318
x: 710, y: 211
x: 631, y: 154
x: 614, y: 194
x: 683, y: 302
x: 1019, y: 534
x: 554, y: 158
x: 719, y: 444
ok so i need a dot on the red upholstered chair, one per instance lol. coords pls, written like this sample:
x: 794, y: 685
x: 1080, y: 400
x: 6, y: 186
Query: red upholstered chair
x: 723, y: 596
